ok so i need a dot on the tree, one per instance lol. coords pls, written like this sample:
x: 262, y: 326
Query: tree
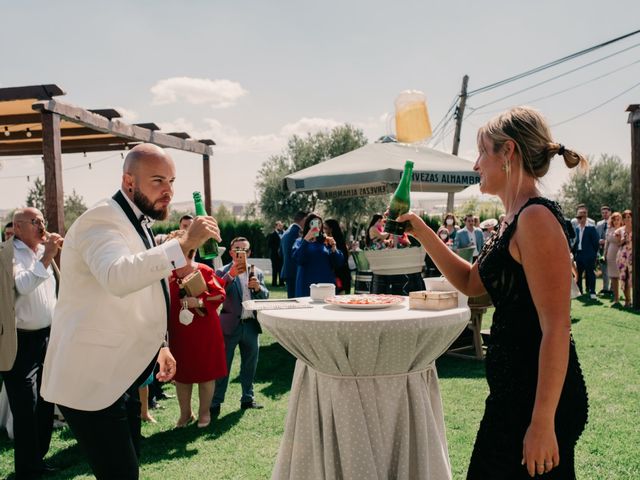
x: 607, y: 182
x: 35, y: 196
x: 223, y: 214
x: 301, y: 152
x: 74, y: 205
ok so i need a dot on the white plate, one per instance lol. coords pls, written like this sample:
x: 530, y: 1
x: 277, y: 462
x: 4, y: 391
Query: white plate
x: 381, y: 301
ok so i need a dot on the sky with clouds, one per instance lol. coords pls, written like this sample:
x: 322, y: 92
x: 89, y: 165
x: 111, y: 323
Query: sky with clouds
x: 250, y: 74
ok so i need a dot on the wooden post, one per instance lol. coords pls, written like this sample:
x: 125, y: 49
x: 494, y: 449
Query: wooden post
x: 206, y: 174
x: 52, y: 156
x: 634, y: 120
x: 456, y: 136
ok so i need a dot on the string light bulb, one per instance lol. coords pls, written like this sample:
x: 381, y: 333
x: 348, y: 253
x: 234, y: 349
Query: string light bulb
x: 84, y: 154
x: 6, y: 131
x: 28, y: 134
x: 89, y: 165
x: 126, y: 146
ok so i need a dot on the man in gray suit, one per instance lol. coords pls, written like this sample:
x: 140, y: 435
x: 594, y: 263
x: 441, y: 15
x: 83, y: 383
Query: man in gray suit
x: 470, y: 236
x: 29, y: 281
x: 239, y: 326
x: 289, y: 265
x: 601, y: 228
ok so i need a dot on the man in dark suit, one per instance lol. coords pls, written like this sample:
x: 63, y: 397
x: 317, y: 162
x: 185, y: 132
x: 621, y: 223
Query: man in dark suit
x: 273, y: 244
x: 239, y: 326
x: 289, y: 266
x: 585, y: 251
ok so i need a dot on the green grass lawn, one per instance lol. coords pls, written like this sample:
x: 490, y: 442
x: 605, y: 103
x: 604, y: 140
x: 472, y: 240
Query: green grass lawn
x: 244, y: 444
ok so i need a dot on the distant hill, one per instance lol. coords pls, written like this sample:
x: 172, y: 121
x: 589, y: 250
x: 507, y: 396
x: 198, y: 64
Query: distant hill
x: 235, y: 207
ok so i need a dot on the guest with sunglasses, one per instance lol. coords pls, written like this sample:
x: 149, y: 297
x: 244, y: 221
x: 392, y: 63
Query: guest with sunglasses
x: 240, y: 326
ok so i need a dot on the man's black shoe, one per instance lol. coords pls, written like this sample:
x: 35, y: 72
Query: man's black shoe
x: 251, y: 404
x: 215, y: 411
x: 47, y: 469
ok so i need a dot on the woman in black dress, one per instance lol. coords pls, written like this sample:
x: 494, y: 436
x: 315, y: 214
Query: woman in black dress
x: 537, y: 403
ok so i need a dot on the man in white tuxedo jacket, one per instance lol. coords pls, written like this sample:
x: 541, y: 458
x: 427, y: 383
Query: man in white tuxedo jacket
x: 110, y: 321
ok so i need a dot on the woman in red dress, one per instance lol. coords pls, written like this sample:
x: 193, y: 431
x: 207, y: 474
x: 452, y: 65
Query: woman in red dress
x: 196, y: 340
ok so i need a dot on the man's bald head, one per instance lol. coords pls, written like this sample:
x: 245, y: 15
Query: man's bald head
x: 22, y: 214
x: 143, y: 153
x: 147, y: 179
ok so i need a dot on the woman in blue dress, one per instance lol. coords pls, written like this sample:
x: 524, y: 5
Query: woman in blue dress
x: 317, y: 256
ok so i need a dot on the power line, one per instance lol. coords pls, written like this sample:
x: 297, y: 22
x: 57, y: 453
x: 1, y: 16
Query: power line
x: 84, y: 165
x: 549, y: 65
x: 596, y: 107
x: 568, y: 89
x: 555, y: 77
x: 449, y: 110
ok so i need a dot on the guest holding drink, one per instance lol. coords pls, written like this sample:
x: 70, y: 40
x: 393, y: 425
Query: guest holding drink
x: 377, y: 238
x: 537, y: 403
x: 195, y: 337
x: 332, y: 229
x: 317, y: 256
x: 611, y: 247
x: 624, y: 256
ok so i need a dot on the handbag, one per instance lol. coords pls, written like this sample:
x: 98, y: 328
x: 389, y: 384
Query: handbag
x: 194, y: 284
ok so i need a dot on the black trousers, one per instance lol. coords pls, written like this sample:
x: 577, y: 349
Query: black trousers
x: 586, y: 266
x: 32, y: 415
x: 276, y: 266
x: 110, y: 438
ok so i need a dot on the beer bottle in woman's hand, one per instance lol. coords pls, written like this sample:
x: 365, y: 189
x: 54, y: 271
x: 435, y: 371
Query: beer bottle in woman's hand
x: 400, y: 202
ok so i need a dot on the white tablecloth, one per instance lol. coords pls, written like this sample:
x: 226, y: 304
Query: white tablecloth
x: 365, y: 402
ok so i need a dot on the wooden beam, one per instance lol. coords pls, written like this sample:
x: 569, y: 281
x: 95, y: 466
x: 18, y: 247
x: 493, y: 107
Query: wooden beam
x: 206, y: 177
x: 94, y: 149
x: 106, y: 112
x: 634, y: 120
x: 77, y: 143
x: 184, y: 135
x: 20, y: 119
x: 52, y: 155
x: 120, y: 129
x: 148, y: 126
x: 65, y: 132
x: 39, y: 92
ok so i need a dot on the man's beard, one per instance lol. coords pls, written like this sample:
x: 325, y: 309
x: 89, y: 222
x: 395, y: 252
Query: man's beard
x: 146, y: 207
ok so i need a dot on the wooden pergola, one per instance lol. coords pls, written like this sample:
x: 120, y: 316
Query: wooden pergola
x: 33, y: 122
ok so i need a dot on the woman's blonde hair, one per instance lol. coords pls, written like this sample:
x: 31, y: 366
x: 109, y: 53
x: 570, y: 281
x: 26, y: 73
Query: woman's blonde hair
x: 529, y: 131
x: 614, y: 216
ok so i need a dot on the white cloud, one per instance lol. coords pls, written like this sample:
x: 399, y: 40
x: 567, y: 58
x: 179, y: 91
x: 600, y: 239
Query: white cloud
x: 218, y: 93
x: 308, y: 125
x: 128, y: 116
x: 229, y: 139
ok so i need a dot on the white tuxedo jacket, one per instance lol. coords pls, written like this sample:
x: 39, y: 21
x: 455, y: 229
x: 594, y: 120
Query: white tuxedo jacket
x: 110, y: 319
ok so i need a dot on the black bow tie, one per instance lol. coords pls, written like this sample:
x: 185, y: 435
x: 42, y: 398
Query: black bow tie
x: 146, y: 221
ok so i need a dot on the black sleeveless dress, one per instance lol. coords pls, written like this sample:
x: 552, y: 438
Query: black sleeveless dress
x: 512, y: 370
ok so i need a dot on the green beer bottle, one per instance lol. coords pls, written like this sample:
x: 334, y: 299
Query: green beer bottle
x: 400, y: 202
x: 208, y: 249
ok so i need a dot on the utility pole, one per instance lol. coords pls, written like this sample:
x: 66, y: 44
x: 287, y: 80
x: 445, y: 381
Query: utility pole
x: 456, y: 137
x: 634, y: 120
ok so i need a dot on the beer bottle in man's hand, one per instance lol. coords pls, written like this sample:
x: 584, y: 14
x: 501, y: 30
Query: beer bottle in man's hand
x: 400, y: 202
x: 208, y: 249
